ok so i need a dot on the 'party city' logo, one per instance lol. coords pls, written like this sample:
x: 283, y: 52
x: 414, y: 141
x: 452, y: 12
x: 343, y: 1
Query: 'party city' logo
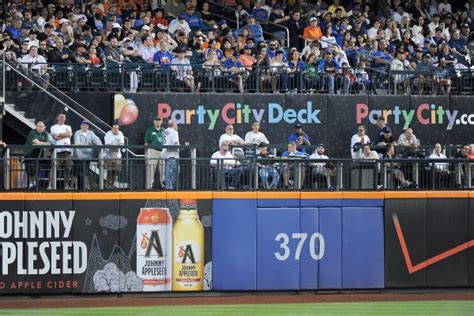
x: 425, y: 114
x: 236, y: 113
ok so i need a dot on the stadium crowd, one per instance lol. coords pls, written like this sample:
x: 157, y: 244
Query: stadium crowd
x: 335, y: 46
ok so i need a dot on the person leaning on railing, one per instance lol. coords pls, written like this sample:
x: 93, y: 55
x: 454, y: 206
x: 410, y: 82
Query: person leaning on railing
x: 35, y: 157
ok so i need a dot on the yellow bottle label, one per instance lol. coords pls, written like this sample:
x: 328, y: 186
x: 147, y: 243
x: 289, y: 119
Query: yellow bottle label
x: 188, y: 252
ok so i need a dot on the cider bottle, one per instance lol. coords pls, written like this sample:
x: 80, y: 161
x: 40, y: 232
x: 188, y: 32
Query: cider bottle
x: 188, y: 249
x: 154, y: 259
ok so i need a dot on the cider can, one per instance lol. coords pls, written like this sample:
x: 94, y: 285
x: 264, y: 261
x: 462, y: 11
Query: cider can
x: 154, y: 261
x: 188, y: 249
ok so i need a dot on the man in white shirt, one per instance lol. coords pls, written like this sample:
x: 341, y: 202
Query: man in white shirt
x: 62, y: 134
x: 407, y: 138
x: 442, y: 167
x: 84, y: 137
x: 171, y: 138
x: 230, y: 137
x: 147, y: 49
x: 228, y: 172
x: 113, y: 162
x: 320, y: 168
x: 36, y: 63
x: 358, y: 138
x: 255, y: 137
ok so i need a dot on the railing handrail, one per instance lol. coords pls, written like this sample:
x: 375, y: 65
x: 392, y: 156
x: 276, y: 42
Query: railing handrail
x: 62, y: 94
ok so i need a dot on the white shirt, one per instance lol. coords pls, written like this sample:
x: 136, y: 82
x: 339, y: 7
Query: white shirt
x: 442, y: 166
x: 357, y: 139
x: 175, y: 26
x: 182, y: 67
x: 147, y: 53
x: 256, y: 138
x: 111, y: 139
x: 229, y: 161
x: 318, y: 166
x: 60, y: 129
x: 171, y: 137
x: 36, y: 63
x: 230, y: 138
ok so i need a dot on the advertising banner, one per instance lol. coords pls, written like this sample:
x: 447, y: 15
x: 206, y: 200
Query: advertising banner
x: 98, y: 243
x: 427, y: 242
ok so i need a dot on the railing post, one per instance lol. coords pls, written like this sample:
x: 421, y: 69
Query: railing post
x: 193, y: 168
x: 54, y: 176
x: 255, y: 173
x: 340, y: 175
x: 101, y: 168
x: 417, y: 174
x: 6, y: 169
x: 384, y: 175
x: 468, y: 175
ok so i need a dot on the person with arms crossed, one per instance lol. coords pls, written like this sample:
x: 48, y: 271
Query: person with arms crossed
x: 113, y: 156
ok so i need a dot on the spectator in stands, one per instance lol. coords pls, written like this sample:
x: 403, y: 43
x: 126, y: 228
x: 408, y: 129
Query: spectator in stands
x: 62, y: 133
x: 311, y: 77
x: 407, y: 138
x: 113, y: 156
x: 35, y: 157
x: 154, y: 140
x: 300, y: 138
x: 441, y: 168
x: 230, y: 138
x: 184, y: 71
x: 60, y: 53
x: 255, y: 29
x: 254, y: 136
x: 247, y: 58
x: 147, y: 49
x: 394, y: 168
x: 463, y: 152
x: 269, y: 176
x: 296, y: 28
x: 163, y: 57
x: 129, y: 52
x: 459, y: 48
x: 84, y: 137
x: 260, y: 11
x: 228, y: 172
x: 36, y: 63
x: 312, y: 32
x: 367, y: 153
x: 235, y: 71
x: 386, y: 137
x: 112, y: 52
x: 359, y: 138
x: 328, y: 39
x: 426, y: 79
x: 327, y: 69
x: 171, y: 138
x: 174, y: 7
x: 289, y: 168
x: 318, y: 169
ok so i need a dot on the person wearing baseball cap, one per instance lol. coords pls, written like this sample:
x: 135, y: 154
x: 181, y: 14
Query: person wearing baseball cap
x: 154, y: 141
x: 83, y: 156
x: 321, y: 171
x: 300, y: 138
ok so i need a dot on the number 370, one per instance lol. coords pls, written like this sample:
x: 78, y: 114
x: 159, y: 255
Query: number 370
x: 284, y: 240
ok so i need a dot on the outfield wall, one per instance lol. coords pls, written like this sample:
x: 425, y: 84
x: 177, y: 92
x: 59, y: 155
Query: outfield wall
x: 57, y: 243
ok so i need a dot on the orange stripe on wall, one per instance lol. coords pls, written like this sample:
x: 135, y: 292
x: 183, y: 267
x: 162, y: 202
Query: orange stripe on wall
x: 278, y: 195
x: 448, y: 194
x: 175, y: 195
x: 320, y: 195
x: 48, y: 196
x: 405, y: 195
x: 234, y: 195
x: 363, y: 195
x: 12, y: 196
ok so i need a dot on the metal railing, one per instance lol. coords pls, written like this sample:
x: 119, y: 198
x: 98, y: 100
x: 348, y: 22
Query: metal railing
x: 60, y: 172
x: 258, y: 79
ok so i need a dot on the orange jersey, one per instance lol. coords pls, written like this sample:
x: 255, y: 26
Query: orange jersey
x: 312, y: 33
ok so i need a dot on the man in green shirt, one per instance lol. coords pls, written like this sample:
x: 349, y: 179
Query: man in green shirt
x: 154, y: 141
x: 33, y: 161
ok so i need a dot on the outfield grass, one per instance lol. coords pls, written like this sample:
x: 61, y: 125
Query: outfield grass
x: 431, y: 308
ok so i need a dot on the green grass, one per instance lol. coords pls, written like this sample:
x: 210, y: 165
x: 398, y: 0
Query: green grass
x: 431, y: 308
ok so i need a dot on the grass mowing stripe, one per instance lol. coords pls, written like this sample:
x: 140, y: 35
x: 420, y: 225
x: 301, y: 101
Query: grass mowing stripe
x: 432, y: 308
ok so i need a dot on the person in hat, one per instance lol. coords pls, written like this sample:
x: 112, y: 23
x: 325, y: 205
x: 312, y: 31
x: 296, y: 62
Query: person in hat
x: 179, y: 25
x: 34, y: 156
x: 184, y: 72
x: 247, y: 58
x: 154, y: 140
x: 288, y: 168
x: 300, y: 138
x: 319, y: 170
x: 113, y: 156
x: 328, y: 66
x: 235, y: 71
x: 423, y: 80
x: 83, y: 156
x: 312, y: 32
x: 382, y: 126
